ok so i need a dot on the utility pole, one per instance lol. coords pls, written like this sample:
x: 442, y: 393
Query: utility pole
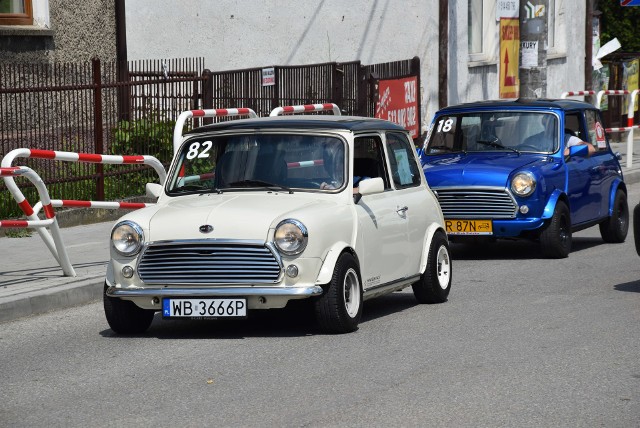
x: 533, y: 48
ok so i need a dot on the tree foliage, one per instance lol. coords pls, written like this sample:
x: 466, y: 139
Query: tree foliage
x: 621, y: 22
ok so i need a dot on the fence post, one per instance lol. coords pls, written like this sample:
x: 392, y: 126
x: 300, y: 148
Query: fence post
x: 338, y: 85
x: 97, y: 125
x: 415, y: 70
x: 363, y: 88
x: 275, y: 100
x: 207, y: 94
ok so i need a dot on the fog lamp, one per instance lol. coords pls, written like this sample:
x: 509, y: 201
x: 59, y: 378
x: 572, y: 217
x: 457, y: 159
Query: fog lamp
x: 292, y: 271
x: 524, y: 209
x: 127, y: 271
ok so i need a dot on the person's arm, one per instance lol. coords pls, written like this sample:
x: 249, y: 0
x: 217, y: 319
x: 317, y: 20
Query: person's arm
x: 575, y: 141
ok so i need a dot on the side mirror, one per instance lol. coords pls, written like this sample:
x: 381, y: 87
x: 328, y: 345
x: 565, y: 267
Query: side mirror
x: 371, y: 186
x: 581, y: 150
x: 153, y: 190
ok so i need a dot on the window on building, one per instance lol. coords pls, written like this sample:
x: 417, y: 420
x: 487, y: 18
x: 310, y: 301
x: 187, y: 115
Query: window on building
x: 16, y: 12
x: 482, y: 30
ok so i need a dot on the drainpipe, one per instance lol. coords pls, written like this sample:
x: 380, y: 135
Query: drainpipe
x: 124, y: 105
x: 443, y: 53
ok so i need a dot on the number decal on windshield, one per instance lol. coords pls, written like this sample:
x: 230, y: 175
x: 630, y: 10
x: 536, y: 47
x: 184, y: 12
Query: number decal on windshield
x: 448, y: 124
x: 195, y: 147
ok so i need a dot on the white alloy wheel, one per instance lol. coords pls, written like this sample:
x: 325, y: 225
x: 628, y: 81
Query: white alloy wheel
x: 351, y: 293
x: 444, y: 267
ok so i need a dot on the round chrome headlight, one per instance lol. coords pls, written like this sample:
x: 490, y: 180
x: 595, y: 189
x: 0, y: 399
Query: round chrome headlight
x: 291, y: 237
x: 127, y: 238
x: 523, y: 184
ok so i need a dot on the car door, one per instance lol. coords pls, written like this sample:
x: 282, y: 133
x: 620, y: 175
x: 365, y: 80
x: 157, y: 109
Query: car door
x: 381, y: 230
x: 410, y: 199
x: 583, y: 176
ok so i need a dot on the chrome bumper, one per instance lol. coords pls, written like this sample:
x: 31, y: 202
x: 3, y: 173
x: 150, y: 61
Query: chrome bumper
x: 293, y: 292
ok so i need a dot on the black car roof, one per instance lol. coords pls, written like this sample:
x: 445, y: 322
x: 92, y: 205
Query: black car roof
x: 314, y: 122
x: 564, y: 104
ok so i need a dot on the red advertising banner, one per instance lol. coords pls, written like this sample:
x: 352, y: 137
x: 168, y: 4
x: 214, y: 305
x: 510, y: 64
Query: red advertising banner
x: 398, y: 103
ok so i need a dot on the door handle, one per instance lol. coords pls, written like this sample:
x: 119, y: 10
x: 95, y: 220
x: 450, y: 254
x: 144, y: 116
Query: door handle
x: 403, y: 210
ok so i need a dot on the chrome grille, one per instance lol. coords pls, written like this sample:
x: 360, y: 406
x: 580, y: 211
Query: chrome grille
x: 206, y: 262
x: 476, y: 203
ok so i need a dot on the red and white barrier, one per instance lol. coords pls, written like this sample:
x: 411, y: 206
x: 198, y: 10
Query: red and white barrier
x: 576, y: 93
x: 304, y: 164
x: 306, y: 108
x: 630, y: 113
x: 53, y: 240
x: 221, y: 112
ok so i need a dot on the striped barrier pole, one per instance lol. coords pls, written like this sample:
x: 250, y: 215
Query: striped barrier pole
x: 576, y: 93
x: 52, y: 240
x: 609, y: 92
x: 629, y: 140
x: 630, y: 114
x: 220, y: 112
x: 306, y: 108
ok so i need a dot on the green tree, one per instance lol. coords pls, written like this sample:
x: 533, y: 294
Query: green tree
x: 621, y: 22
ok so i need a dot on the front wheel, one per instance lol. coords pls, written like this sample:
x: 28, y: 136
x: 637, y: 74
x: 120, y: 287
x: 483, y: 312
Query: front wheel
x: 435, y: 283
x: 614, y: 229
x: 339, y: 309
x: 124, y: 317
x: 555, y: 238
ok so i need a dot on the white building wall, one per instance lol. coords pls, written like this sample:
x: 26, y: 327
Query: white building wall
x: 233, y: 34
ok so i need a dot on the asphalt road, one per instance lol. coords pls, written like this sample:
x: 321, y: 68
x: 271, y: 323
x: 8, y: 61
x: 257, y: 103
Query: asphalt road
x: 523, y: 341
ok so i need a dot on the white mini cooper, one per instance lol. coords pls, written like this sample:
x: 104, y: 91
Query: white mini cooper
x: 258, y: 212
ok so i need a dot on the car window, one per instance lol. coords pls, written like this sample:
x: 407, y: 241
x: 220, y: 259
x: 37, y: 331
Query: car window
x: 595, y: 130
x: 368, y: 160
x: 234, y: 162
x: 494, y: 131
x: 403, y: 166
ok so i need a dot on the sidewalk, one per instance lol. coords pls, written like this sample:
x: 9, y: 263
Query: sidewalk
x: 31, y: 281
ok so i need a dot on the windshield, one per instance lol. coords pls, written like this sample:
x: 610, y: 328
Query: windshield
x: 267, y: 161
x: 494, y: 131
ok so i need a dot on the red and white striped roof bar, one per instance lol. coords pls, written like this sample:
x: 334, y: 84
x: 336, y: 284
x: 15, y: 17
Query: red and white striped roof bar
x: 220, y: 112
x: 306, y: 108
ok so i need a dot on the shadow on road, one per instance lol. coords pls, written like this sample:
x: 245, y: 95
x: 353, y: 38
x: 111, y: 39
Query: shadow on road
x: 631, y: 287
x: 504, y: 249
x: 292, y: 321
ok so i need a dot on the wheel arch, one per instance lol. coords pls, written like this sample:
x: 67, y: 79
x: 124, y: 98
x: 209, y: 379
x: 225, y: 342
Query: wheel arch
x: 617, y: 184
x: 556, y: 196
x: 329, y: 264
x: 431, y: 231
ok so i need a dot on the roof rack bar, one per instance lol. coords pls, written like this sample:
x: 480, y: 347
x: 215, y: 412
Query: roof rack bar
x: 305, y: 109
x: 219, y: 112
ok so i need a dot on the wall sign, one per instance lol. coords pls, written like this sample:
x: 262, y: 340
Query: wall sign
x: 398, y: 103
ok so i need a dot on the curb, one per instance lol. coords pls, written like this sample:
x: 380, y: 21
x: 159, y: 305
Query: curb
x: 83, y: 291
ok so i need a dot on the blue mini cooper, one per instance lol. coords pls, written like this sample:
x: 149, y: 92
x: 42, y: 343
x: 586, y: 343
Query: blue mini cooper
x: 535, y: 169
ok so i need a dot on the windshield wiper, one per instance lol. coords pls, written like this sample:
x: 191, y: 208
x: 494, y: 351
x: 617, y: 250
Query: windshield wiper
x: 259, y: 183
x: 495, y: 143
x: 190, y: 188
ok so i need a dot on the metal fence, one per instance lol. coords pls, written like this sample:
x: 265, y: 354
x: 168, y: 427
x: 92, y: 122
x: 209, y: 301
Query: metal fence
x: 85, y: 108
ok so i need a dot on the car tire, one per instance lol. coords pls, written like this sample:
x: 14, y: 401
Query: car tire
x: 614, y: 229
x: 555, y: 238
x: 435, y: 283
x: 124, y: 317
x: 636, y: 227
x: 339, y: 309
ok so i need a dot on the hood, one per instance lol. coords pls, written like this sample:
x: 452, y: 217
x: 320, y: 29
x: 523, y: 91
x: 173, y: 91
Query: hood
x: 483, y: 169
x: 245, y: 215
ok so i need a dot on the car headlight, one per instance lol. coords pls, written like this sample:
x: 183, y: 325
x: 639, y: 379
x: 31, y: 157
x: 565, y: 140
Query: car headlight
x: 523, y: 184
x: 127, y: 238
x: 291, y: 237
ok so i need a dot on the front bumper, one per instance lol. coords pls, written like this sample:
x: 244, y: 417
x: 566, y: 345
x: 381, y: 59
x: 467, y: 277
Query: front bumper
x: 291, y: 292
x: 257, y: 297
